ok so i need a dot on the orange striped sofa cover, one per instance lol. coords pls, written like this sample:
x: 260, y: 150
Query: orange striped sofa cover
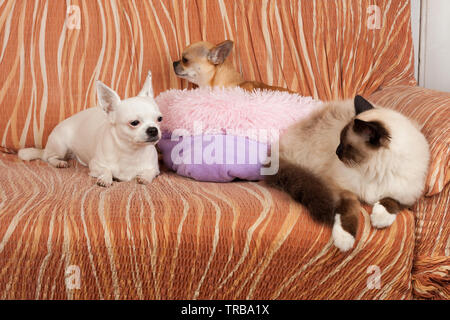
x: 431, y: 110
x: 62, y: 237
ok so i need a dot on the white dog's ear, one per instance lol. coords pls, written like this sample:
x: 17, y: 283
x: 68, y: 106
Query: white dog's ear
x: 147, y: 89
x: 107, y: 97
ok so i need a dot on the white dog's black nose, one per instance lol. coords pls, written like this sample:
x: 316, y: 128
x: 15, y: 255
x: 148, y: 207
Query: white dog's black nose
x: 152, y: 131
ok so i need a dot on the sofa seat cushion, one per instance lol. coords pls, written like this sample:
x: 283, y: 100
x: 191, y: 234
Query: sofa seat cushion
x: 64, y: 237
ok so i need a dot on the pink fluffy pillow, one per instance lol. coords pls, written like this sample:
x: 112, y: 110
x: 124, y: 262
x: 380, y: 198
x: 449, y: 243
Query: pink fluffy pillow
x: 231, y: 111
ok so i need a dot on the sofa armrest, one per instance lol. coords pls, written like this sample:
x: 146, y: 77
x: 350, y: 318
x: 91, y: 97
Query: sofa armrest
x: 431, y: 110
x: 431, y: 266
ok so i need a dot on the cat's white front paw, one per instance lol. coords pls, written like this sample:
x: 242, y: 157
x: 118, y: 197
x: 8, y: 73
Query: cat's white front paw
x: 380, y: 217
x: 343, y: 240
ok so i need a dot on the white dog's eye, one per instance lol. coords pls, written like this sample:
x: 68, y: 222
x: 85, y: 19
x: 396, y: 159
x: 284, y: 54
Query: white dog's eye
x: 160, y: 119
x: 134, y: 123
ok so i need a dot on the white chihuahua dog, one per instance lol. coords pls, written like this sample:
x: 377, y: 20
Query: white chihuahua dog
x: 116, y: 139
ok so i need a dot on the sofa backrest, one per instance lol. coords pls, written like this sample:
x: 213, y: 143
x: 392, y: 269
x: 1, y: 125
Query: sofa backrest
x: 51, y: 52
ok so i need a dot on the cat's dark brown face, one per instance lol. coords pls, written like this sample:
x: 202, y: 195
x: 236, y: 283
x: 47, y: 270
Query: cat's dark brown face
x: 359, y: 141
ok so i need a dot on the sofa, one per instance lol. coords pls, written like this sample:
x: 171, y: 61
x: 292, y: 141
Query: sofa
x: 64, y: 237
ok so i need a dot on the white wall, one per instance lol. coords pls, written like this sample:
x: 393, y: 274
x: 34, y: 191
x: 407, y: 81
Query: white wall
x: 415, y: 26
x: 434, y: 44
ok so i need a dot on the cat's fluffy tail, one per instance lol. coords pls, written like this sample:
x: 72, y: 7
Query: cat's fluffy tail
x: 307, y: 188
x: 335, y: 208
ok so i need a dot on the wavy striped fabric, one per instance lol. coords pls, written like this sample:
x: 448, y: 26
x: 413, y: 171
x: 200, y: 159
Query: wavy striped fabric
x: 431, y: 110
x: 51, y: 52
x: 63, y: 237
x: 222, y: 241
x: 431, y: 272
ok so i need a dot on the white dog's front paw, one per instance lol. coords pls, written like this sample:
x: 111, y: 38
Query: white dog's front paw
x: 147, y: 176
x: 62, y: 164
x: 104, y: 181
x: 58, y: 163
x: 343, y: 240
x: 380, y: 217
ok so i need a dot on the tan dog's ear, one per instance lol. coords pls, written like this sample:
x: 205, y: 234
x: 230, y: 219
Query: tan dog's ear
x: 219, y: 53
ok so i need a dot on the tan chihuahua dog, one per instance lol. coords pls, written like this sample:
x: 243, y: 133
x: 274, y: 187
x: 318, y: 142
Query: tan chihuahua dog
x: 205, y: 64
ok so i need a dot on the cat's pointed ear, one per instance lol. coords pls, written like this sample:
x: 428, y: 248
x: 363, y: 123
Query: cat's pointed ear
x: 108, y: 99
x: 373, y: 132
x: 219, y: 53
x: 362, y: 105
